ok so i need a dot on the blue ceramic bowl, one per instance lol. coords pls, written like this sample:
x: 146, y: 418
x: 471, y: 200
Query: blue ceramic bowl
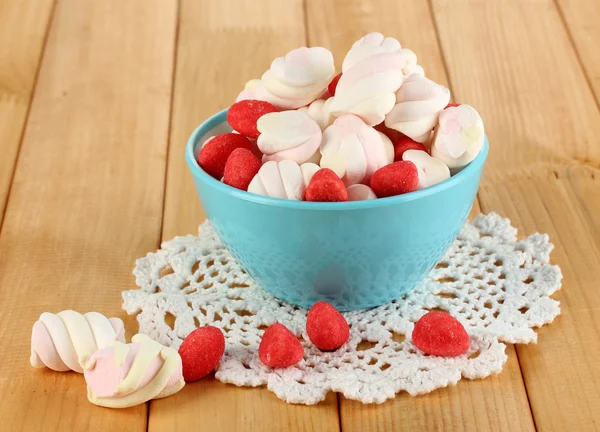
x: 354, y: 255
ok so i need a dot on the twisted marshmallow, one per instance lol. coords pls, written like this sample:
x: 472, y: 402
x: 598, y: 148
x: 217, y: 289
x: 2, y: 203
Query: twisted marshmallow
x: 63, y: 341
x: 249, y: 91
x: 458, y: 137
x: 284, y: 179
x: 418, y: 105
x: 353, y: 150
x: 319, y: 111
x: 125, y: 375
x: 288, y: 135
x: 295, y: 80
x: 430, y: 170
x: 371, y: 75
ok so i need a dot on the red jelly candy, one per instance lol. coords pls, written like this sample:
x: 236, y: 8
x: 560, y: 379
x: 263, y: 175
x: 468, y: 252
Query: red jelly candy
x: 326, y: 186
x: 392, y: 134
x: 333, y: 84
x: 406, y: 143
x: 213, y: 156
x: 240, y: 169
x: 327, y: 329
x: 279, y: 348
x: 395, y: 179
x: 243, y: 115
x: 440, y: 334
x: 201, y: 352
x: 451, y: 105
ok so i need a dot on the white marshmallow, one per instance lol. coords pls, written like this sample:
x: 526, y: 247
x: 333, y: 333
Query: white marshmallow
x: 360, y: 192
x: 431, y: 171
x: 284, y: 179
x: 319, y: 110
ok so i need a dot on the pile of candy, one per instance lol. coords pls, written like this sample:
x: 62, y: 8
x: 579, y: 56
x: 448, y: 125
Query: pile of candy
x: 379, y: 128
x: 120, y: 375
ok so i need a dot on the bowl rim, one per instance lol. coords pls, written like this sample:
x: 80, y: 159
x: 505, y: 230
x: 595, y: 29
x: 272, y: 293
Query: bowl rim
x: 221, y: 117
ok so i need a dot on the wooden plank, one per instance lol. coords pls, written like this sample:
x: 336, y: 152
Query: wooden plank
x: 86, y: 198
x: 582, y: 19
x: 497, y: 403
x: 543, y: 128
x: 221, y: 45
x: 23, y: 29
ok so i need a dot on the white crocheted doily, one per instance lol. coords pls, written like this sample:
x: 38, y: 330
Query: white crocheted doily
x: 496, y: 286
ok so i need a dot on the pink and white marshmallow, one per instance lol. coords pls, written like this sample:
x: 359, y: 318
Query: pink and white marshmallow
x: 372, y: 73
x: 354, y: 150
x: 64, y: 340
x: 458, y: 137
x: 249, y: 91
x: 295, y: 80
x: 360, y: 192
x: 288, y: 135
x: 125, y: 375
x: 430, y: 170
x: 418, y: 105
x: 284, y: 179
x: 320, y: 112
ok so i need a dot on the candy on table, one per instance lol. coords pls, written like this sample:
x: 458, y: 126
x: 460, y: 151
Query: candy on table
x: 354, y: 150
x: 279, y: 348
x: 326, y: 186
x: 288, y: 135
x: 327, y: 329
x: 371, y: 75
x: 242, y: 116
x: 360, y: 192
x: 405, y: 143
x: 285, y: 179
x: 440, y: 334
x: 395, y: 179
x: 64, y: 340
x: 319, y: 110
x: 216, y: 150
x: 241, y: 167
x: 124, y: 375
x: 297, y: 79
x: 458, y: 137
x: 201, y: 352
x: 431, y: 170
x: 418, y: 105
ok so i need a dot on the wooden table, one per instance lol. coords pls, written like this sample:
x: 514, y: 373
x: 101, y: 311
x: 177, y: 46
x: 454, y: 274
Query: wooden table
x: 97, y: 99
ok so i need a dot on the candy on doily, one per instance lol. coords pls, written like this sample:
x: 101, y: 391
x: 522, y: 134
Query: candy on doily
x: 242, y: 116
x: 458, y: 136
x: 405, y: 143
x: 395, y: 179
x: 288, y: 135
x: 440, y: 334
x: 241, y: 167
x: 327, y: 329
x: 285, y: 179
x: 201, y: 352
x: 216, y: 150
x: 333, y: 84
x: 431, y: 170
x: 64, y: 340
x: 326, y: 186
x: 360, y: 192
x: 125, y: 375
x: 279, y: 348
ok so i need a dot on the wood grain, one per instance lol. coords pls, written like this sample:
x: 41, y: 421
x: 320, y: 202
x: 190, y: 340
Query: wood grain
x: 497, y: 403
x: 583, y: 21
x: 23, y: 29
x: 221, y: 45
x: 86, y: 198
x: 543, y: 128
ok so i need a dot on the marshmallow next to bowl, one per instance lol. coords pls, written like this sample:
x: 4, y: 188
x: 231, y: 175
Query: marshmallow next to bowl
x: 288, y: 135
x: 430, y: 170
x: 458, y: 137
x: 125, y: 375
x: 62, y: 341
x: 284, y: 180
x: 354, y: 150
x: 418, y: 105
